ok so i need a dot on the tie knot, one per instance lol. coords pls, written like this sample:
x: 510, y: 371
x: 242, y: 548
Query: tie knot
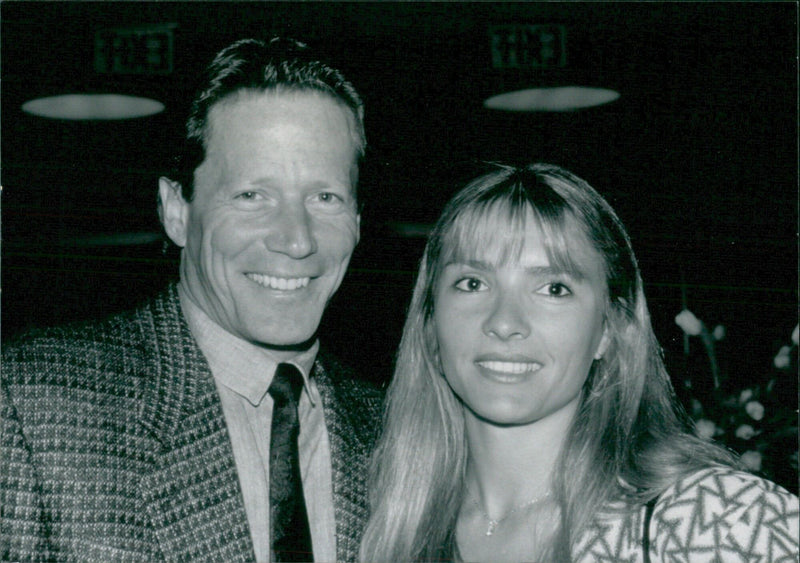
x: 286, y: 385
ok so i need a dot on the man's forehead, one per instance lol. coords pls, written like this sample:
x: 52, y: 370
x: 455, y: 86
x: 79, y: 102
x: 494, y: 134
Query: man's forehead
x: 276, y: 100
x: 306, y: 112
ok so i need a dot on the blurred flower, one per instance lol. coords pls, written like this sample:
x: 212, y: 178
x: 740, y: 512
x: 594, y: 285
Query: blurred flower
x: 755, y: 410
x: 730, y: 401
x: 690, y: 324
x: 748, y: 412
x: 745, y: 396
x: 782, y: 360
x: 751, y: 460
x: 745, y: 432
x: 705, y: 428
x: 796, y: 335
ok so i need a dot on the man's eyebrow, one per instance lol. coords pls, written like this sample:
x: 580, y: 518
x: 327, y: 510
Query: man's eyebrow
x: 326, y: 185
x: 262, y: 181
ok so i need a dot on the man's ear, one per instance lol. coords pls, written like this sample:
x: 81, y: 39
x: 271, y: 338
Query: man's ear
x: 173, y: 210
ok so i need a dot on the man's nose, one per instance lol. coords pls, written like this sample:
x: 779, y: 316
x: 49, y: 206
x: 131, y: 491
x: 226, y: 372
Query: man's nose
x: 507, y: 319
x: 291, y: 232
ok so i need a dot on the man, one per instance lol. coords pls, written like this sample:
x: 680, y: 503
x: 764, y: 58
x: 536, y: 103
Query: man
x: 147, y: 436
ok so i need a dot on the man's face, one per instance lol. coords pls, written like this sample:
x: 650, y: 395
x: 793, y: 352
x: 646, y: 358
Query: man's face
x: 268, y: 236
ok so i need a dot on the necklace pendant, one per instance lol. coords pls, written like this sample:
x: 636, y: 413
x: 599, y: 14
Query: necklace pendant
x: 492, y: 527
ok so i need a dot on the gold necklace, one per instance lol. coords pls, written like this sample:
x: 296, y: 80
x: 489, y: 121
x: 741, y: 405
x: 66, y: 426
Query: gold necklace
x: 495, y: 522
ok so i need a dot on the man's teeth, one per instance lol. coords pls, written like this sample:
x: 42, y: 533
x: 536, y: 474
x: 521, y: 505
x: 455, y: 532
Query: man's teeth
x: 272, y: 282
x: 510, y: 367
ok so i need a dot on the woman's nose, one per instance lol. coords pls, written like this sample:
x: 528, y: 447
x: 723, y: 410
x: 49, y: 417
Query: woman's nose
x: 507, y: 319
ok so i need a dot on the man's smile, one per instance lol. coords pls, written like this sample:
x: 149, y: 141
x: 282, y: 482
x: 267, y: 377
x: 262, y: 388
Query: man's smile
x: 274, y: 282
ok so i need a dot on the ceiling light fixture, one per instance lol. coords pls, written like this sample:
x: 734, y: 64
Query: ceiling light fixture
x: 93, y: 107
x: 532, y: 73
x: 556, y: 98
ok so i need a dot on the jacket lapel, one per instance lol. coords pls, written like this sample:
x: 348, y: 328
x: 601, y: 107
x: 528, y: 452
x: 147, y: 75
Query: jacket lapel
x: 192, y: 494
x: 352, y: 415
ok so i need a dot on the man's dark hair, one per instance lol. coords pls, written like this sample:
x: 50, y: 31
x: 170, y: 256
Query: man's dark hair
x: 249, y: 64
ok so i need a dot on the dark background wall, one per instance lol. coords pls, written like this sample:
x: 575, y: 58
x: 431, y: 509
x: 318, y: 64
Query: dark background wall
x: 699, y: 155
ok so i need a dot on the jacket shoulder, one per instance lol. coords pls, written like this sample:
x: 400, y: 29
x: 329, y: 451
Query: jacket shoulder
x: 90, y: 364
x: 115, y: 343
x: 66, y: 350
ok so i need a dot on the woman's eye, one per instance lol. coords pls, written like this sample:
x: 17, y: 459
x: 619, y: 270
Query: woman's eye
x: 471, y: 285
x: 555, y: 289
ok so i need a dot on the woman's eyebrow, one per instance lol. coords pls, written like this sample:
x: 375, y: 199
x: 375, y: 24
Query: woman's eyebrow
x: 536, y: 271
x: 569, y: 271
x: 554, y: 271
x: 471, y: 263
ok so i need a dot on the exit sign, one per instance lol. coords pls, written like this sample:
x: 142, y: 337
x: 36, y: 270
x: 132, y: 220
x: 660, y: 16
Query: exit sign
x: 528, y: 46
x: 135, y: 50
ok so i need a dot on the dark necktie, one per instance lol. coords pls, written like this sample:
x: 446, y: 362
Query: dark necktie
x: 291, y: 536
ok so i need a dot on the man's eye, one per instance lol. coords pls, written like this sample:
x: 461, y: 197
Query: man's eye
x: 328, y: 202
x: 248, y: 196
x: 471, y: 285
x: 329, y: 197
x: 555, y: 289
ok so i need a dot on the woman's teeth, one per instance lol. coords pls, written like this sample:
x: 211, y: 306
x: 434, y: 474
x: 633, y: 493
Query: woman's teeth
x: 510, y: 367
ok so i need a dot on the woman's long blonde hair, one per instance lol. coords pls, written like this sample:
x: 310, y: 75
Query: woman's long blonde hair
x: 629, y: 440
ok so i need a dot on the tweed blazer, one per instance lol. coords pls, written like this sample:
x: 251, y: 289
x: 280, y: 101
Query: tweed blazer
x: 115, y: 448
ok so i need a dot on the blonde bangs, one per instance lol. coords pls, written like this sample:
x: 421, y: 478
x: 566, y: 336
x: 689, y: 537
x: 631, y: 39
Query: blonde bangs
x: 494, y: 232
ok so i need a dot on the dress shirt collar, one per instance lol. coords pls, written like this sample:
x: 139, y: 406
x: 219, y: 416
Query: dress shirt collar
x: 241, y: 366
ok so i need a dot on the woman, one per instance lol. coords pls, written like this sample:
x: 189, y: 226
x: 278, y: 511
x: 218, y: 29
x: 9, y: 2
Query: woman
x: 531, y: 418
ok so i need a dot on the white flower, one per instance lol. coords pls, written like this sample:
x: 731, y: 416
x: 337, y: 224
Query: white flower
x: 690, y: 324
x: 755, y: 410
x: 782, y: 359
x: 796, y: 335
x: 705, y: 428
x: 719, y: 332
x: 745, y: 395
x: 751, y: 460
x: 745, y: 432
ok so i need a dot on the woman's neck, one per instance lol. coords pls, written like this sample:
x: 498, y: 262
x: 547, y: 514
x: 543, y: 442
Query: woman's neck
x: 509, y: 463
x: 508, y: 514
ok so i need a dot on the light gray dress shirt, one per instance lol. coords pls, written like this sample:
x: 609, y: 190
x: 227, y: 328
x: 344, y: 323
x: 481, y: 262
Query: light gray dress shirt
x: 243, y: 373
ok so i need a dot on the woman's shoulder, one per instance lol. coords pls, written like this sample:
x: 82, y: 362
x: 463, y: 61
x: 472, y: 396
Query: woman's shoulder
x: 725, y: 491
x: 715, y: 514
x: 723, y: 479
x: 736, y: 515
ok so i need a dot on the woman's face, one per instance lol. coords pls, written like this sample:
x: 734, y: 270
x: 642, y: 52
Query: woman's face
x: 516, y: 340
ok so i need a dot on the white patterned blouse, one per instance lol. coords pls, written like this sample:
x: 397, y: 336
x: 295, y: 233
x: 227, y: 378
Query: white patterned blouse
x: 713, y: 515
